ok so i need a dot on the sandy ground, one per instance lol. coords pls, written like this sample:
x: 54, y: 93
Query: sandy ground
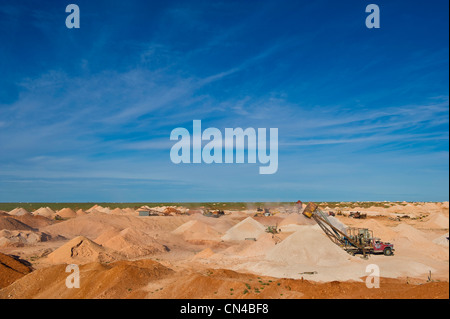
x: 188, y: 255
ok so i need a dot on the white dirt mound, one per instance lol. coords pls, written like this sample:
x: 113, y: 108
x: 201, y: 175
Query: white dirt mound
x: 296, y: 219
x: 437, y: 221
x: 220, y: 224
x: 93, y: 208
x: 81, y: 250
x: 95, y: 212
x: 19, y: 211
x: 248, y: 228
x: 21, y: 238
x: 44, y: 211
x: 195, y: 230
x: 66, y: 213
x: 130, y: 242
x: 98, y: 208
x: 385, y: 233
x: 412, y: 234
x: 442, y: 240
x: 260, y: 247
x: 308, y: 246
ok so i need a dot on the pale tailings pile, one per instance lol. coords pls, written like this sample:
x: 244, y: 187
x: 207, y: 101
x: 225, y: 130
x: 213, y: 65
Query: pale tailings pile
x: 16, y: 238
x: 19, y: 212
x: 45, y: 212
x: 409, y: 232
x: 81, y: 250
x: 195, y: 230
x: 308, y: 246
x: 436, y: 221
x: 385, y: 233
x: 90, y: 226
x: 413, y: 239
x: 248, y: 228
x: 260, y: 247
x: 204, y: 254
x: 98, y: 209
x: 221, y: 224
x: 296, y: 219
x: 130, y: 243
x: 66, y: 213
x: 442, y: 240
x: 95, y: 207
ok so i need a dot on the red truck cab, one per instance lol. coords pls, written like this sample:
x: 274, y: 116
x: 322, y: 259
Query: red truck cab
x: 380, y: 247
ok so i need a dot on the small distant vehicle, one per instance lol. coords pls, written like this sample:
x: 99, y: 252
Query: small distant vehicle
x: 263, y: 212
x: 357, y: 215
x: 214, y: 213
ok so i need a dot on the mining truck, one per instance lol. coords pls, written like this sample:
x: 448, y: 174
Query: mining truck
x: 214, y: 213
x: 353, y: 240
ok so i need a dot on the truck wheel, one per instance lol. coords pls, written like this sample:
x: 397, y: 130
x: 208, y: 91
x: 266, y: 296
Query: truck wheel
x: 387, y: 251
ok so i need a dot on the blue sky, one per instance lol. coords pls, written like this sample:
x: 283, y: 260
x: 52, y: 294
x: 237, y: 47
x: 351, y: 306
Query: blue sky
x: 86, y: 114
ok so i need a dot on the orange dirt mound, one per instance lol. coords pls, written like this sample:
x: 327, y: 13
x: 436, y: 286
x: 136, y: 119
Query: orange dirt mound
x: 204, y: 254
x: 11, y: 269
x: 80, y: 212
x: 437, y: 221
x: 81, y: 250
x: 219, y: 283
x: 20, y: 238
x: 130, y: 243
x: 121, y: 279
x: 117, y: 211
x: 34, y: 221
x: 90, y: 226
x: 10, y: 223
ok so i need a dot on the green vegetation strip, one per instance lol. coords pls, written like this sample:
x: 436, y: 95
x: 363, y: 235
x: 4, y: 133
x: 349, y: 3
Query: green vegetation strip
x: 192, y: 205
